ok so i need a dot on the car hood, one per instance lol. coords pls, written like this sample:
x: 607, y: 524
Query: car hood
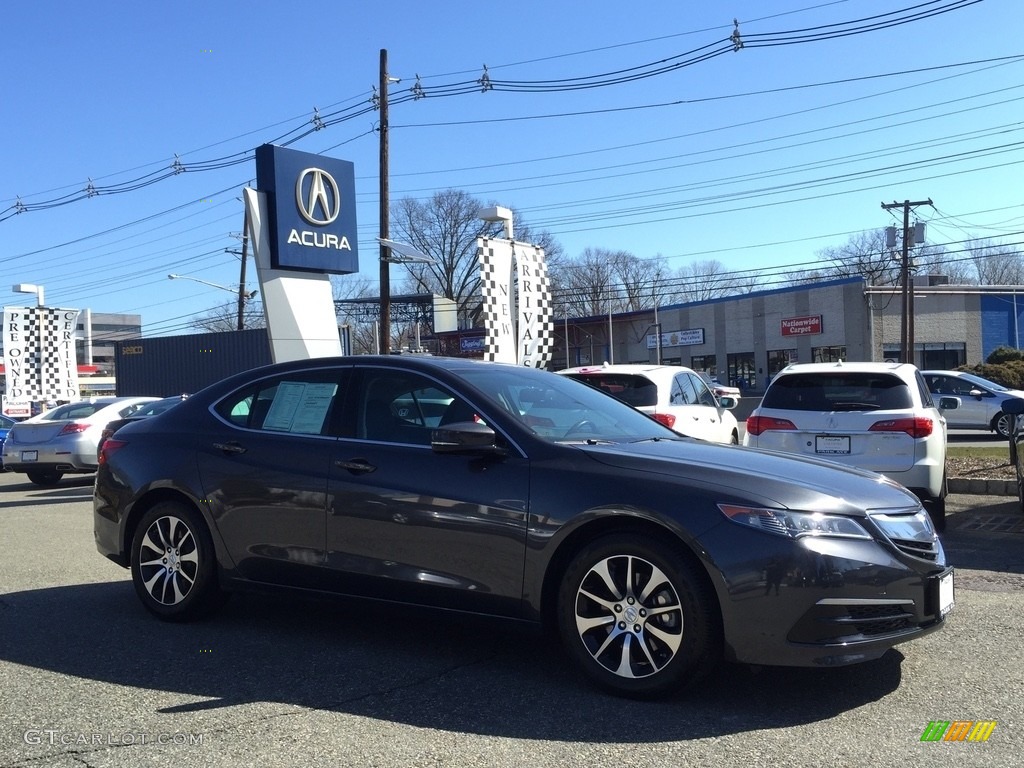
x: 766, y: 477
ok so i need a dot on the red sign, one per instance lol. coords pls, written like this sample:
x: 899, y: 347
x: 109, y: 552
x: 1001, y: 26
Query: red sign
x: 801, y: 326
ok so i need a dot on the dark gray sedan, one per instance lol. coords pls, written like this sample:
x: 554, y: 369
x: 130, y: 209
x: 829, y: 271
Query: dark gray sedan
x: 513, y: 492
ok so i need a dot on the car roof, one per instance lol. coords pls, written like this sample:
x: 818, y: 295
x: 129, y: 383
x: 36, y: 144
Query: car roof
x: 625, y: 368
x: 839, y: 366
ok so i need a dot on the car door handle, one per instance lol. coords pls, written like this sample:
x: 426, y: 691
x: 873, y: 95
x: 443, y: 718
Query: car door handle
x: 360, y: 466
x: 230, y: 447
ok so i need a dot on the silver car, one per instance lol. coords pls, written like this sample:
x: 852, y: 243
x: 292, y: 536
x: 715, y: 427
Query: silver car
x: 982, y: 402
x: 63, y: 440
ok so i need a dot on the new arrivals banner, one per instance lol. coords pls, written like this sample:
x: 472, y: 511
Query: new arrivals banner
x: 40, y: 363
x: 495, y: 257
x: 535, y: 328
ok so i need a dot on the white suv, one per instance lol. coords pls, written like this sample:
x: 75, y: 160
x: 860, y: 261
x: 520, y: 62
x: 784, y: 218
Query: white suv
x: 672, y: 394
x: 876, y: 416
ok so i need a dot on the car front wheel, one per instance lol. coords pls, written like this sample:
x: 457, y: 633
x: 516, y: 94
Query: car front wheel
x: 1003, y: 424
x: 173, y: 563
x: 637, y: 617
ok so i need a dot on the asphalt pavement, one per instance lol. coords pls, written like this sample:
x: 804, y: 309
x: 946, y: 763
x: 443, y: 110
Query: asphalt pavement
x: 89, y: 678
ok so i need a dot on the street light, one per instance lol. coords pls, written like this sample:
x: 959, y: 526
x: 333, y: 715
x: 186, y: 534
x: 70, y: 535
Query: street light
x: 30, y: 288
x: 240, y: 291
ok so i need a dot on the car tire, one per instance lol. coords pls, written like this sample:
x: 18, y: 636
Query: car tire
x: 1002, y: 424
x: 936, y: 509
x: 173, y: 563
x: 641, y: 641
x: 735, y: 439
x: 44, y: 477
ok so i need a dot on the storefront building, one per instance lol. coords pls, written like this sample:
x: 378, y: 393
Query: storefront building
x: 746, y: 339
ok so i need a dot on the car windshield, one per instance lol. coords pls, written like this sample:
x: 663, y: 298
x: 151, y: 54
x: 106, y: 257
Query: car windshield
x: 984, y: 383
x: 559, y: 409
x: 853, y: 391
x: 152, y: 409
x: 79, y: 410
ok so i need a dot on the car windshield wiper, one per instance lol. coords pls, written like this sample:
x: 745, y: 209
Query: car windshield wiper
x: 658, y: 439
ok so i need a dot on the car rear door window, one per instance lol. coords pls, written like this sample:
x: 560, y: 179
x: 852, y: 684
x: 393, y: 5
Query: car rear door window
x: 299, y: 403
x: 855, y: 391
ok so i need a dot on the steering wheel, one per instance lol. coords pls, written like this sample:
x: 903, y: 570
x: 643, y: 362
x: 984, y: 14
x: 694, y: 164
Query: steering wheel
x: 583, y: 425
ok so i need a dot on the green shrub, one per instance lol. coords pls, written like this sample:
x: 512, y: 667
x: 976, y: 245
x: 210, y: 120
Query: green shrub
x: 1002, y: 355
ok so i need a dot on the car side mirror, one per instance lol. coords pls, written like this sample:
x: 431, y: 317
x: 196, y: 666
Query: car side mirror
x: 728, y: 402
x: 465, y: 437
x: 977, y: 394
x: 949, y: 403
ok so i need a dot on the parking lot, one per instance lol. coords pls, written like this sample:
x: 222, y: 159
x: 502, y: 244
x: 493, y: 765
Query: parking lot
x: 89, y: 678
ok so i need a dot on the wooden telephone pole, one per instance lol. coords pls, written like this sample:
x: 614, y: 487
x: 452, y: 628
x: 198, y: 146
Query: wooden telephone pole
x: 906, y: 281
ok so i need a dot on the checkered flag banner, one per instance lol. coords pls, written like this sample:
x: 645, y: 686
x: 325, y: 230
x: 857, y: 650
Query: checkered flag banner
x: 495, y: 257
x: 40, y: 362
x: 536, y: 330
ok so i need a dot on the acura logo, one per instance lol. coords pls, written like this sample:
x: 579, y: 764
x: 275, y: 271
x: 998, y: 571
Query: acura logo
x: 318, y: 206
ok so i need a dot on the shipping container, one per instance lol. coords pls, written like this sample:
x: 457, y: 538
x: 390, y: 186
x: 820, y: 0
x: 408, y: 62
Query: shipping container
x: 170, y: 365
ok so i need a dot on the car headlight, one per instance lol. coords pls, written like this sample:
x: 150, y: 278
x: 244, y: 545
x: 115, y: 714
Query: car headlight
x: 785, y: 522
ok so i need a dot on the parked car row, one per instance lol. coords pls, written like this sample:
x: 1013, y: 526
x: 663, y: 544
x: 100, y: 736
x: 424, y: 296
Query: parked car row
x: 509, y: 491
x: 66, y: 439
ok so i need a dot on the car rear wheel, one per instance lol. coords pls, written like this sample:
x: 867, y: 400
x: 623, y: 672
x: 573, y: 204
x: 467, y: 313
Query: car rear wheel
x: 45, y: 477
x: 1003, y: 424
x: 173, y: 563
x: 636, y: 617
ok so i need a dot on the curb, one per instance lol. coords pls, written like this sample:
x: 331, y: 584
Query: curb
x: 981, y: 486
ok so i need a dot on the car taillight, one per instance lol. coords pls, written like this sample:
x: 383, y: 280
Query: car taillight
x: 917, y: 426
x: 665, y: 418
x: 110, y: 445
x: 74, y: 428
x: 758, y: 424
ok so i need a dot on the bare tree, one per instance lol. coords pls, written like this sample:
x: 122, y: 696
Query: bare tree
x: 584, y: 285
x: 996, y: 264
x: 704, y: 280
x: 640, y: 280
x: 866, y: 255
x: 937, y: 260
x: 445, y: 228
x: 224, y: 317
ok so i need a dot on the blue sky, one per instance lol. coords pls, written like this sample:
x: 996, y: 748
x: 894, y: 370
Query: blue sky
x: 757, y: 158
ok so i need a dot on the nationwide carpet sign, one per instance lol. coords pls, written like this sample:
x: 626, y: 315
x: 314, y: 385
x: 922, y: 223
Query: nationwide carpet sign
x: 39, y: 354
x: 311, y: 200
x: 801, y: 326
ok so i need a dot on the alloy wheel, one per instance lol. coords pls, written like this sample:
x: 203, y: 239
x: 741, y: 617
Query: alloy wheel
x: 629, y: 616
x: 168, y: 560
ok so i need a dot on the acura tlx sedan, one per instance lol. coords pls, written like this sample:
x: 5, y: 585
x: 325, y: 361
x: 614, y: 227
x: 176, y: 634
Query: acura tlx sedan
x: 517, y: 493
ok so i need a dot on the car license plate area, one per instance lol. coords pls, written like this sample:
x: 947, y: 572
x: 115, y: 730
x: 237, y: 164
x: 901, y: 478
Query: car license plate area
x: 942, y: 592
x: 30, y: 455
x: 832, y: 444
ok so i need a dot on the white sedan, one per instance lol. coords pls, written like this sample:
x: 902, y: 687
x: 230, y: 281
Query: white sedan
x: 676, y: 396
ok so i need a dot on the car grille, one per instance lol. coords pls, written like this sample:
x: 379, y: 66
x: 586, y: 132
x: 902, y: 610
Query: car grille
x: 872, y: 620
x: 925, y: 550
x: 844, y: 621
x: 910, y: 532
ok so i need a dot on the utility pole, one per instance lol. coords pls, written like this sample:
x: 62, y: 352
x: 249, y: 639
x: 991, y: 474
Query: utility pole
x: 907, y: 321
x: 241, y: 274
x: 385, y: 222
